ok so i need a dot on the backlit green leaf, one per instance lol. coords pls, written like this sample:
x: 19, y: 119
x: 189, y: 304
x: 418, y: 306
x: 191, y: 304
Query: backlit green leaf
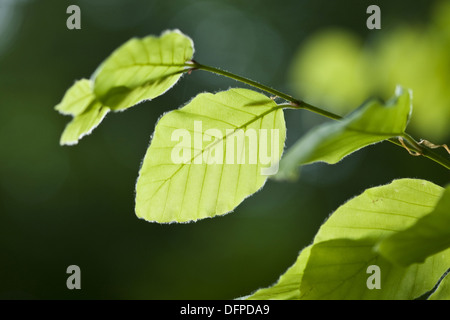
x: 341, y: 269
x: 332, y: 141
x: 142, y: 69
x: 196, y: 165
x: 80, y: 102
x: 344, y: 246
x: 429, y: 235
x: 338, y: 263
x: 77, y: 99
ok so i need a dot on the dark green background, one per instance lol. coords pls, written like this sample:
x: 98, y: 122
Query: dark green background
x: 75, y: 205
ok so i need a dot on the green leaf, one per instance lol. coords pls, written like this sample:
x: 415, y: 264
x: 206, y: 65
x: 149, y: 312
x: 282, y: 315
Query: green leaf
x: 79, y: 101
x: 331, y: 142
x: 342, y: 268
x: 337, y: 264
x: 196, y: 166
x: 139, y: 70
x: 429, y: 235
x: 142, y: 69
x: 443, y: 290
x: 344, y: 246
x: 288, y: 285
x: 380, y: 211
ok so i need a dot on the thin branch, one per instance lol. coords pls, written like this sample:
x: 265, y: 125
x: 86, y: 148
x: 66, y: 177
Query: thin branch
x: 415, y: 148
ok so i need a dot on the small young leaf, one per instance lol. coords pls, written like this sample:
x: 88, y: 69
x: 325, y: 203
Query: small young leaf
x: 207, y: 157
x: 139, y: 70
x: 429, y: 235
x: 142, y: 69
x: 80, y: 102
x: 330, y: 142
x: 77, y: 99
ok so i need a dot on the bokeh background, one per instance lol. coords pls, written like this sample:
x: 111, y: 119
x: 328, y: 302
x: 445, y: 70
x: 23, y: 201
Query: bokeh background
x: 75, y: 205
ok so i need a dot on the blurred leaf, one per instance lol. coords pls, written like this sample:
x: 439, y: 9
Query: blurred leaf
x: 417, y: 59
x: 441, y: 21
x: 443, y: 291
x: 142, y: 69
x: 330, y: 70
x: 429, y: 235
x: 205, y: 182
x: 382, y: 210
x: 332, y: 141
x: 80, y: 102
x: 337, y: 69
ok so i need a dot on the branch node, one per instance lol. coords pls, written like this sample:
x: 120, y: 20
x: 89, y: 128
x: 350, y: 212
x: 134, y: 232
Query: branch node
x: 413, y: 153
x: 295, y: 104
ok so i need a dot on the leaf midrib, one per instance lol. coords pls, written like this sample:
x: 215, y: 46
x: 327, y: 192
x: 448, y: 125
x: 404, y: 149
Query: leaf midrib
x: 181, y: 165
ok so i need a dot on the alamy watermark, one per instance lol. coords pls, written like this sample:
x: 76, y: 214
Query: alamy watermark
x: 74, y: 20
x: 74, y: 280
x: 374, y: 20
x: 374, y: 281
x: 229, y: 146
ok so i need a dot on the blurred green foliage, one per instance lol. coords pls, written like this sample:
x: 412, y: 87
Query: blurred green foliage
x: 338, y: 68
x: 75, y: 205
